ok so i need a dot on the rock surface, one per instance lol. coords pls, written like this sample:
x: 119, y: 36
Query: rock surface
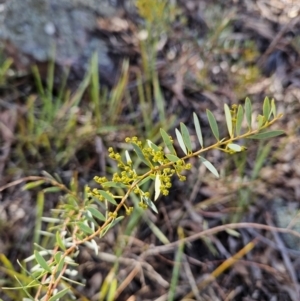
x: 65, y: 29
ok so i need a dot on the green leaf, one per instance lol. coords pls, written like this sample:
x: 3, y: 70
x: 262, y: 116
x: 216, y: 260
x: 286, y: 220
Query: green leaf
x: 180, y: 140
x: 140, y: 154
x: 113, y: 184
x: 33, y: 184
x: 60, y: 241
x: 239, y: 120
x: 172, y: 157
x: 84, y: 228
x: 41, y: 261
x: 145, y: 180
x: 235, y: 147
x: 108, y: 197
x: 150, y: 204
x: 209, y: 166
x: 198, y: 129
x: 113, y: 223
x: 96, y: 213
x: 112, y: 289
x: 233, y: 233
x: 57, y: 257
x: 273, y: 107
x: 167, y: 141
x: 51, y: 189
x: 266, y: 108
x: 157, y: 187
x: 59, y: 294
x: 248, y: 112
x: 127, y: 156
x: 266, y: 135
x: 186, y: 136
x: 228, y: 119
x: 261, y: 120
x: 152, y: 145
x: 213, y: 124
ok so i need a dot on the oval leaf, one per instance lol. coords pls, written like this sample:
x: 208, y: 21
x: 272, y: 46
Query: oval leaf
x: 186, y: 136
x: 84, y: 228
x: 152, y: 145
x: 59, y: 294
x: 172, y: 157
x: 180, y: 141
x: 96, y: 213
x: 266, y: 135
x: 33, y: 184
x: 60, y: 241
x: 108, y: 197
x: 235, y: 147
x: 140, y: 154
x: 239, y: 120
x: 145, y: 180
x: 209, y: 166
x: 41, y: 261
x: 113, y: 184
x: 228, y: 119
x: 157, y: 187
x: 127, y: 156
x: 150, y: 204
x: 213, y: 124
x: 266, y: 108
x: 198, y: 129
x: 248, y: 112
x: 167, y: 141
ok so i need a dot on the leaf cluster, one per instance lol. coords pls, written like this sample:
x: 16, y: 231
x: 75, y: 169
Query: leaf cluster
x: 81, y: 220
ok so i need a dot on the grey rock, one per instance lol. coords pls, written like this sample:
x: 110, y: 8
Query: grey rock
x: 32, y: 29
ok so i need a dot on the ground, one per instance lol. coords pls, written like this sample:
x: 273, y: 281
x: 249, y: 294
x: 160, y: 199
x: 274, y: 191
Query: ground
x: 197, y: 55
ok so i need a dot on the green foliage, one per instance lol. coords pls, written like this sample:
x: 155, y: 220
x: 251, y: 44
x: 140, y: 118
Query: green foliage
x: 81, y: 218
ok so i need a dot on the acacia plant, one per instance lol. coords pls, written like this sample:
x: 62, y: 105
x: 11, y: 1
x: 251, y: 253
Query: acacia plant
x: 80, y: 220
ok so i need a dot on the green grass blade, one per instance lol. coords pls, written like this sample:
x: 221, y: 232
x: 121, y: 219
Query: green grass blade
x: 248, y: 112
x: 180, y: 141
x: 198, y: 129
x: 261, y: 156
x: 95, y: 88
x: 176, y: 269
x: 228, y: 119
x: 158, y: 96
x: 38, y: 80
x: 186, y: 136
x: 39, y: 214
x: 239, y: 120
x: 50, y: 76
x: 145, y: 106
x: 213, y: 124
